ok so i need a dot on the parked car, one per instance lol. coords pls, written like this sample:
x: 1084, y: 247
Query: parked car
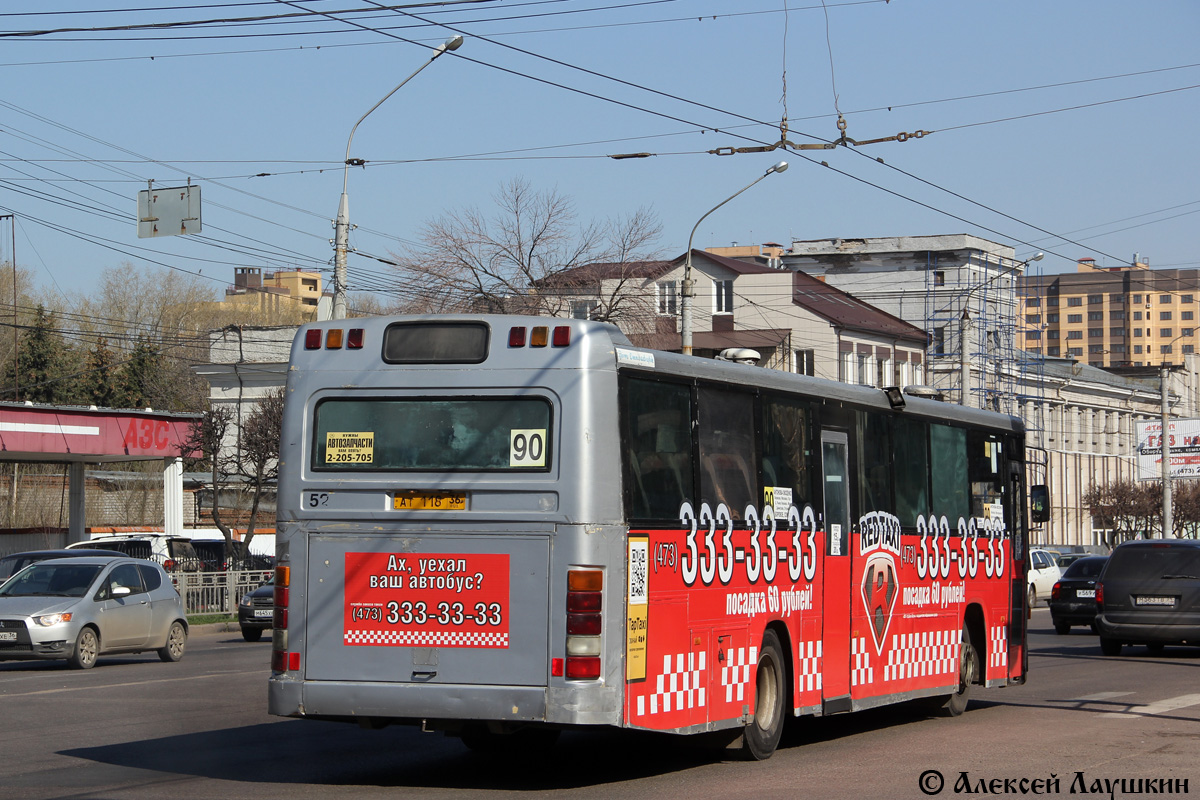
x: 256, y: 611
x: 1073, y: 598
x: 217, y: 556
x: 173, y: 552
x: 81, y: 608
x: 1149, y: 593
x: 15, y: 562
x: 1043, y: 571
x: 1067, y: 559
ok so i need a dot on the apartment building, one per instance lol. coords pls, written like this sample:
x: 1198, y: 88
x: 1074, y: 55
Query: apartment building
x: 1127, y: 316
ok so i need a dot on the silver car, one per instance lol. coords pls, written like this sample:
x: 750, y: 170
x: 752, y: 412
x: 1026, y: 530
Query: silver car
x: 82, y: 608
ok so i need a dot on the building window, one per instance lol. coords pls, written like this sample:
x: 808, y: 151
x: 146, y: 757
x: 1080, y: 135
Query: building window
x: 938, y: 345
x: 1052, y: 319
x: 1074, y: 301
x: 1116, y: 333
x: 1137, y: 332
x: 1051, y: 334
x: 1033, y: 302
x: 1165, y: 349
x: 1051, y: 351
x: 1074, y: 319
x: 1166, y: 332
x: 1137, y: 349
x: 1095, y: 333
x: 723, y: 297
x: 1137, y: 315
x: 1187, y: 298
x: 1052, y: 302
x: 1095, y: 348
x: 1095, y: 299
x: 1186, y: 331
x: 1032, y: 336
x: 1116, y: 314
x: 1116, y: 299
x: 1164, y: 299
x: 939, y: 278
x: 1118, y: 348
x: 584, y: 309
x: 1095, y: 316
x: 1186, y: 314
x: 1137, y: 298
x: 1074, y: 351
x: 804, y: 362
x: 1074, y: 334
x: 668, y: 297
x: 1188, y: 348
x: 1164, y: 315
x: 864, y: 369
x: 1033, y: 319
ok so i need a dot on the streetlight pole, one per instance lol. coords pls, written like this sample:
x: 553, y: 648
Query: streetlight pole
x: 342, y: 223
x: 688, y: 289
x: 1167, y: 510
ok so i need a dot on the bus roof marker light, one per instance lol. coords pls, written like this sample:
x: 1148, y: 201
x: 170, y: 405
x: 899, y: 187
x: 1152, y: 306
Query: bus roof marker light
x: 516, y: 336
x: 562, y: 336
x: 333, y: 339
x: 895, y: 397
x: 354, y: 340
x: 312, y: 339
x: 540, y: 336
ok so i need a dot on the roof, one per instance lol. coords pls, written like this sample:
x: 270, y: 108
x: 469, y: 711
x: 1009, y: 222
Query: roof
x: 847, y: 311
x: 713, y: 340
x: 590, y: 274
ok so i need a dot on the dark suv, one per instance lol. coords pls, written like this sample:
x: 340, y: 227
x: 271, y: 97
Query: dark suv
x: 1149, y: 593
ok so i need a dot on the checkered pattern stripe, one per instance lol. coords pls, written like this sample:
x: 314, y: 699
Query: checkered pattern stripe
x: 680, y: 685
x: 915, y: 655
x: 998, y: 648
x: 860, y: 655
x: 426, y: 638
x: 808, y: 665
x: 735, y: 674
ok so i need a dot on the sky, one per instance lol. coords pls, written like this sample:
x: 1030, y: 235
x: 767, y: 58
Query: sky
x: 1062, y: 126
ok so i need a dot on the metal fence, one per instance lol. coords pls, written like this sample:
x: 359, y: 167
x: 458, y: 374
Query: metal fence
x: 217, y: 592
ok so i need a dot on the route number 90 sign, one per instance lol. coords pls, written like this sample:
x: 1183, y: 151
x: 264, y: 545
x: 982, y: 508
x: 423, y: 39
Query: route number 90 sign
x: 426, y: 600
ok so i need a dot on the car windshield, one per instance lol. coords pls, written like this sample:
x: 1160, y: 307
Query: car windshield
x: 11, y: 565
x: 52, y: 580
x: 1085, y: 568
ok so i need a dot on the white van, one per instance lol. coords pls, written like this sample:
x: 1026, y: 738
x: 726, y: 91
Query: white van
x: 173, y: 552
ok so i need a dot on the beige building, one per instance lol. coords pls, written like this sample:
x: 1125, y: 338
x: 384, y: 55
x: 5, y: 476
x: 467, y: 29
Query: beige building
x: 282, y: 292
x: 1128, y: 316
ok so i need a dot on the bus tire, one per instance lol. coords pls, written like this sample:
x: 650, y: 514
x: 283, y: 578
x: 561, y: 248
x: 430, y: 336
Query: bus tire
x: 955, y: 704
x: 763, y: 731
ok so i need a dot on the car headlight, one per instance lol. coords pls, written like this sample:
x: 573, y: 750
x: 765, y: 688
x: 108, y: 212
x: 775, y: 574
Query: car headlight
x: 246, y: 600
x: 46, y: 620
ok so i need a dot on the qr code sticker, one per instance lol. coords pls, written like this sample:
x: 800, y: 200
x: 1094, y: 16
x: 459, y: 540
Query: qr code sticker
x: 639, y: 569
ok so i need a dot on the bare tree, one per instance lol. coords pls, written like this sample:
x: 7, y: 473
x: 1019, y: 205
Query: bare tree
x: 207, y: 437
x: 259, y: 460
x: 1132, y: 510
x: 508, y: 262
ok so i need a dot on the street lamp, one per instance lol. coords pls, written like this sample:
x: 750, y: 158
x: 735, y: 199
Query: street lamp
x: 342, y: 224
x: 688, y: 290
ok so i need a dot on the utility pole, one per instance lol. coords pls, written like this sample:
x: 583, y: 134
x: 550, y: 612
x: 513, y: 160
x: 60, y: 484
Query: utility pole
x: 1168, y: 521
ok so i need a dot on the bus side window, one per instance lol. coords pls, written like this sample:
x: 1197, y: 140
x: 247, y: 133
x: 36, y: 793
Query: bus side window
x: 726, y: 432
x: 657, y: 447
x: 911, y: 459
x: 948, y: 460
x: 786, y: 447
x: 874, y: 462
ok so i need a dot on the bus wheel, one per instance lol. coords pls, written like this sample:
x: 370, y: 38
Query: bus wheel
x: 968, y: 668
x: 762, y: 732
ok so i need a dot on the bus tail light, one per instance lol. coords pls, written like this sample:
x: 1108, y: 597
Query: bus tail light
x: 562, y: 336
x: 281, y: 659
x: 585, y: 599
x: 312, y: 339
x: 354, y: 340
x: 516, y: 336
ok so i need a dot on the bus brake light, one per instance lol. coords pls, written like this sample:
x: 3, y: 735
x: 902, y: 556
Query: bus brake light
x: 562, y: 336
x: 516, y: 336
x: 312, y: 339
x: 585, y: 598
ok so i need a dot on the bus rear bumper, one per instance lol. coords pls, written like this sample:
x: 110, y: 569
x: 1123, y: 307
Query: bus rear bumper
x: 347, y: 700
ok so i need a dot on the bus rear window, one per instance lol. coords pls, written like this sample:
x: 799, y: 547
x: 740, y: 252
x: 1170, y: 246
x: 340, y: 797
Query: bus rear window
x: 433, y: 434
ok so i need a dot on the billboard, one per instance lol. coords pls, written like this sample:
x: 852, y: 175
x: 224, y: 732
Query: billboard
x: 1183, y: 445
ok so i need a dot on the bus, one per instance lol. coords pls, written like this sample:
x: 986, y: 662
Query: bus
x: 502, y: 526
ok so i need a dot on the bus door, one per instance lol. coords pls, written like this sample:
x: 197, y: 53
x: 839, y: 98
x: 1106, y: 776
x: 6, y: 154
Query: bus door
x: 835, y: 679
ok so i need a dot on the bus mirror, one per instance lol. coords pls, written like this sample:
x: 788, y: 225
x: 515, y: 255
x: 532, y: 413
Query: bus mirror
x: 1039, y: 503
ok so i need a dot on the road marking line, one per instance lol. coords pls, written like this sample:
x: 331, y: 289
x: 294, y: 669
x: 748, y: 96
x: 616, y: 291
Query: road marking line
x: 6, y: 695
x: 1161, y: 707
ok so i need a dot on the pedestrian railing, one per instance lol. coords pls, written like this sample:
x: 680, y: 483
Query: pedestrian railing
x: 217, y: 592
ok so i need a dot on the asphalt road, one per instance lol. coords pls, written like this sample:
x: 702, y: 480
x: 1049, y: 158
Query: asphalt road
x: 135, y: 727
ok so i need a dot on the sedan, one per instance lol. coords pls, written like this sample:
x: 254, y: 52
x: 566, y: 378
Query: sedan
x: 78, y: 609
x: 1073, y: 598
x: 256, y: 612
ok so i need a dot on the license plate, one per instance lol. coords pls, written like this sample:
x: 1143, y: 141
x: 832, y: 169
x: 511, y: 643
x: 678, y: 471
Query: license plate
x: 1151, y: 600
x: 429, y: 501
x: 8, y: 636
x: 1085, y: 592
x: 263, y: 612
